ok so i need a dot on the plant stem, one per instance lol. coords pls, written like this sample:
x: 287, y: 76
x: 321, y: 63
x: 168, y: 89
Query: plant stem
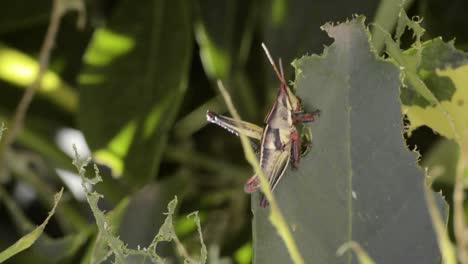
x: 459, y: 223
x: 59, y: 8
x: 276, y: 217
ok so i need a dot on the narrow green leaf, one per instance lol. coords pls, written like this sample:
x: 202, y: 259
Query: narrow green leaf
x: 447, y: 249
x: 408, y: 63
x: 106, y: 232
x: 134, y: 81
x: 98, y: 249
x: 108, y: 244
x: 27, y: 240
x: 387, y: 17
x: 167, y: 233
x: 49, y: 249
x: 224, y: 32
x: 359, y: 182
x: 203, y: 251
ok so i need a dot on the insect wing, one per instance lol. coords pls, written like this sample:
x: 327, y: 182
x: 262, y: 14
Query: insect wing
x: 280, y: 167
x: 277, y: 173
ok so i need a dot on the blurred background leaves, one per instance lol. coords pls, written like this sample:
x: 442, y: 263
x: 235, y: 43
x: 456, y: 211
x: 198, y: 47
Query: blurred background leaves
x: 137, y: 82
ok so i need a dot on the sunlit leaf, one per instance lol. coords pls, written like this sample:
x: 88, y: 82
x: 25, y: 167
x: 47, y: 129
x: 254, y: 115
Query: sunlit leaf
x: 20, y: 69
x: 444, y: 70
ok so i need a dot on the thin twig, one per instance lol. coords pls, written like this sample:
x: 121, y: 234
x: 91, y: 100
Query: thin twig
x: 276, y: 217
x: 59, y: 8
x: 44, y: 57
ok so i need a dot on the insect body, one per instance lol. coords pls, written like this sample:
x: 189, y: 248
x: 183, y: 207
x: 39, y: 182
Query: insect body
x: 279, y: 139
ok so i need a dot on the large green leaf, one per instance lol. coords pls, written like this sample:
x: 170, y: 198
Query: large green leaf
x: 135, y: 79
x: 359, y: 182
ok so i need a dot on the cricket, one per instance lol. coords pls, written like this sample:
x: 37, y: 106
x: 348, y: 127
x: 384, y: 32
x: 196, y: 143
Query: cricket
x: 279, y: 142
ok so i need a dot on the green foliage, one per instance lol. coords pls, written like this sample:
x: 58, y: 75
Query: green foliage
x: 27, y: 240
x: 108, y: 244
x: 137, y: 81
x: 444, y: 69
x: 153, y: 50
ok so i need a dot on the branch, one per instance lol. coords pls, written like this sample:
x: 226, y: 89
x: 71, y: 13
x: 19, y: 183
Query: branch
x: 59, y: 8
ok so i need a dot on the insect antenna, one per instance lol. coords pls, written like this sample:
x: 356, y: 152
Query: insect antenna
x: 278, y: 74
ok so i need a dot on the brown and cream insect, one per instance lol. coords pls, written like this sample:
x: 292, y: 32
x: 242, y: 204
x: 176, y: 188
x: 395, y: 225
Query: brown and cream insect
x: 279, y: 140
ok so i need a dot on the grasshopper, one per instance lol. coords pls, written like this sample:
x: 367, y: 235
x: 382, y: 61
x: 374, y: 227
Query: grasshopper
x: 279, y: 141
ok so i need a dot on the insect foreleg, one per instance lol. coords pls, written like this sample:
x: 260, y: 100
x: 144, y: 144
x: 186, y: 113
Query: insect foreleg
x: 304, y: 117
